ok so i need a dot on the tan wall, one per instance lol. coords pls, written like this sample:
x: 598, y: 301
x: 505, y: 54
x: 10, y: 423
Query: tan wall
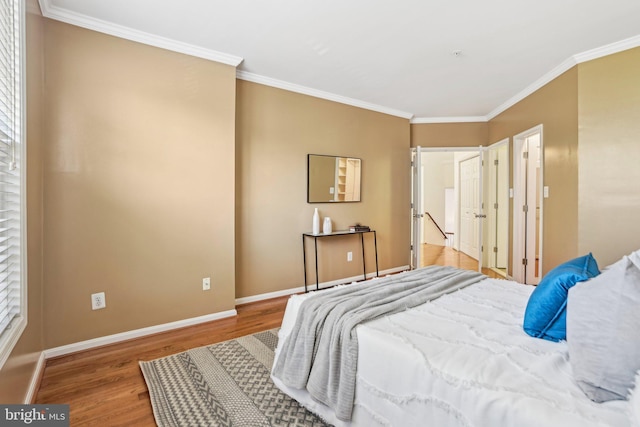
x: 138, y: 185
x: 555, y: 107
x: 276, y: 130
x: 609, y: 113
x: 19, y: 368
x: 449, y: 134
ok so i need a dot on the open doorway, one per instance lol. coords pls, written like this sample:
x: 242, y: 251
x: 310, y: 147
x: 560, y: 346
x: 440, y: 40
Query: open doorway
x: 452, y: 188
x: 446, y: 216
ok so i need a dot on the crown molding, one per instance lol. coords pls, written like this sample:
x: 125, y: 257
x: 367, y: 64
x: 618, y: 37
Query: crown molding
x: 569, y: 63
x: 280, y: 84
x: 465, y: 119
x: 608, y: 49
x: 80, y: 20
x: 63, y: 15
x: 545, y: 79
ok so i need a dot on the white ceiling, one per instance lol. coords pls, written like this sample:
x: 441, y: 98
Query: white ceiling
x: 394, y: 56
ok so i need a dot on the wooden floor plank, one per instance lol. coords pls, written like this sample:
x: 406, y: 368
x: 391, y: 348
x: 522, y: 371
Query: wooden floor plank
x: 105, y: 386
x: 445, y: 255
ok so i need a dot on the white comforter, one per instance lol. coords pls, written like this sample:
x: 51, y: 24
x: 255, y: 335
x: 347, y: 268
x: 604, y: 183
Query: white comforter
x: 462, y: 360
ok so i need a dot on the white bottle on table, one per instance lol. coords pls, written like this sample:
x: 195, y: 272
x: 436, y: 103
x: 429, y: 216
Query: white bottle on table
x: 316, y: 222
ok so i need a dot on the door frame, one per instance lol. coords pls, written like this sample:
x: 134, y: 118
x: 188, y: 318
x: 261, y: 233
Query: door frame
x: 415, y: 209
x: 519, y: 236
x: 416, y: 219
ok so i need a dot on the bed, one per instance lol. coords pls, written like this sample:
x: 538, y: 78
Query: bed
x: 461, y: 359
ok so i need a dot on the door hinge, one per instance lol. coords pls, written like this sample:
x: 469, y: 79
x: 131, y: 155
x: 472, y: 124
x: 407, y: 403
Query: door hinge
x: 495, y: 249
x: 495, y: 162
x: 525, y: 154
x: 525, y: 208
x: 495, y: 206
x: 525, y: 261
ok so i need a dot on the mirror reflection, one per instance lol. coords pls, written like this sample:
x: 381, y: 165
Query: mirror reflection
x: 333, y: 179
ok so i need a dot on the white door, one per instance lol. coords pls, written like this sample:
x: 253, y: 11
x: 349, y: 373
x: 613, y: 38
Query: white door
x: 470, y: 206
x: 497, y: 204
x: 527, y: 202
x: 532, y: 252
x: 416, y: 207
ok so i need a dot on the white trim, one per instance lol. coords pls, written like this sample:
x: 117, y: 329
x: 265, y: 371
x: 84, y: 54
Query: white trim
x: 269, y: 295
x: 467, y: 119
x: 19, y: 323
x: 30, y: 397
x: 542, y: 81
x: 137, y: 333
x: 322, y: 285
x: 566, y: 65
x: 609, y: 49
x: 447, y: 149
x: 291, y: 87
x: 84, y: 21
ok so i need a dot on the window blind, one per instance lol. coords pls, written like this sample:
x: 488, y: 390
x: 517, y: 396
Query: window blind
x: 12, y: 316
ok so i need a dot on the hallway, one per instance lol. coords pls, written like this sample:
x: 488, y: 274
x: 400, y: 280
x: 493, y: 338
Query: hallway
x: 443, y: 255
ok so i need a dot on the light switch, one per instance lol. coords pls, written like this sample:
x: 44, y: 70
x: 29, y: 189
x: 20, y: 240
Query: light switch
x: 545, y: 192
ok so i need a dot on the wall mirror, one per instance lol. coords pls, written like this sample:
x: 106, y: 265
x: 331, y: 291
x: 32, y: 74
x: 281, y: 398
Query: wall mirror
x: 333, y: 179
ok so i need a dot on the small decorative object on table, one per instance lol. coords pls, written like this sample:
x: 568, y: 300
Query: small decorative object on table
x: 316, y: 222
x: 326, y: 227
x: 359, y: 227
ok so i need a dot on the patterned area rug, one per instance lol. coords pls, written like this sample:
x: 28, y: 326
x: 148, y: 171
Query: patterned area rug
x: 225, y: 384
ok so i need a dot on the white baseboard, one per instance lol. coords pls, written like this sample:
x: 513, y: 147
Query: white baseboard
x: 312, y: 287
x: 137, y: 333
x: 34, y: 384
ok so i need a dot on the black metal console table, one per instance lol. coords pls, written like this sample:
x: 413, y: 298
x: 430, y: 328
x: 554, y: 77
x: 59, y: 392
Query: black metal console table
x: 315, y: 238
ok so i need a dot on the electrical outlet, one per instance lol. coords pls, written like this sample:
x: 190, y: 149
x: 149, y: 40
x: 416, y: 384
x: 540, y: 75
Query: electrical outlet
x: 98, y: 301
x: 349, y: 256
x: 206, y: 283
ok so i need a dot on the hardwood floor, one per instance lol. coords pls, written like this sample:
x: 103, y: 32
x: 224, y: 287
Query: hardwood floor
x: 105, y: 387
x: 444, y: 255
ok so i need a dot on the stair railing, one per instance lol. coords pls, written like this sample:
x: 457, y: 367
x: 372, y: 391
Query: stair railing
x: 437, y: 226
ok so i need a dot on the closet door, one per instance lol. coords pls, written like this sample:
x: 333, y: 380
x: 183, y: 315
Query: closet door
x: 416, y: 207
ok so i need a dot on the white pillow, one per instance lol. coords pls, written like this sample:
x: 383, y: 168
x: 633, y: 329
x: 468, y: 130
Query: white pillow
x: 633, y: 256
x: 603, y: 320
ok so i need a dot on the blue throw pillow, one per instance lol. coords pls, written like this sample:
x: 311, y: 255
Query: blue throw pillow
x: 546, y: 313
